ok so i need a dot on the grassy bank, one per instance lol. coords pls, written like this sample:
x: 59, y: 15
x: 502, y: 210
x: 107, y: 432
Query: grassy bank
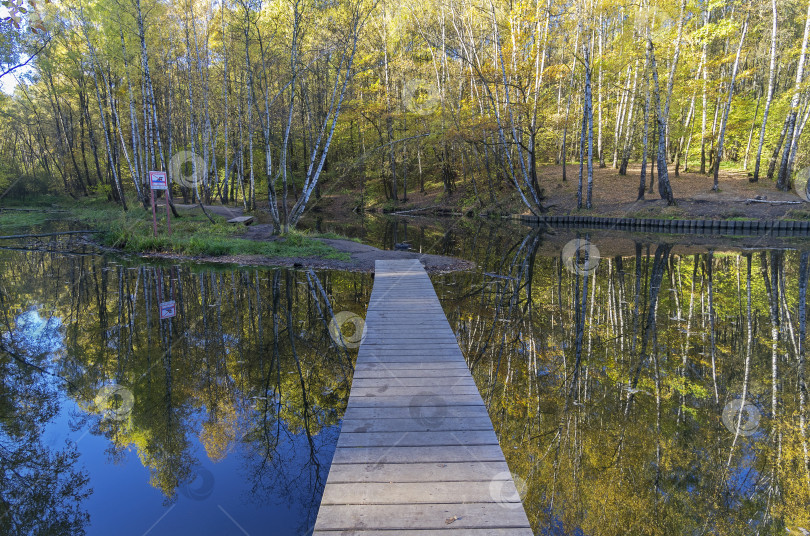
x: 192, y: 234
x: 12, y: 221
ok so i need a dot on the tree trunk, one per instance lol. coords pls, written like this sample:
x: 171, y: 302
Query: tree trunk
x: 589, y: 120
x: 664, y: 189
x: 776, y: 150
x: 96, y: 67
x: 783, y: 179
x: 723, y: 123
x: 769, y: 98
x: 751, y: 133
x: 620, y: 111
x: 628, y: 145
x: 705, y: 99
x: 643, y: 175
x: 673, y: 69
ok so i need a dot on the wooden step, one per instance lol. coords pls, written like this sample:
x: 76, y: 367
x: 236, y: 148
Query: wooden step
x: 244, y: 220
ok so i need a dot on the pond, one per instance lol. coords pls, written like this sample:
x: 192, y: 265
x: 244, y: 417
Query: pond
x: 639, y: 384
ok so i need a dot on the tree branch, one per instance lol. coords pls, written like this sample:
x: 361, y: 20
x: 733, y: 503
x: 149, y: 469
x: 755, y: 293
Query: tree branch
x: 34, y: 55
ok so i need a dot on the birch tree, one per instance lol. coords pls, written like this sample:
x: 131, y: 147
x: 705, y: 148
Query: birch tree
x: 783, y: 180
x: 719, y: 155
x: 769, y: 98
x: 664, y: 189
x: 346, y: 46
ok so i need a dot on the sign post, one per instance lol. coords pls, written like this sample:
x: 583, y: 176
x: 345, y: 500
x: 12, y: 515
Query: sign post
x: 159, y: 181
x: 168, y: 310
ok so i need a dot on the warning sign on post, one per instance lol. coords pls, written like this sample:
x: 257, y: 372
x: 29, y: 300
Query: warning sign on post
x: 158, y: 181
x: 168, y: 310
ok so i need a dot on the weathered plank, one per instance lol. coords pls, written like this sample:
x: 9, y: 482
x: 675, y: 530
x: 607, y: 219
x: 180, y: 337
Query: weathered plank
x: 425, y: 365
x: 408, y: 412
x: 410, y: 373
x: 383, y: 455
x: 417, y: 453
x: 413, y: 365
x: 244, y: 220
x: 389, y: 390
x: 423, y: 399
x: 421, y: 516
x: 447, y: 531
x: 432, y: 380
x: 417, y: 493
x: 448, y: 438
x: 414, y: 357
x: 419, y: 472
x: 417, y: 424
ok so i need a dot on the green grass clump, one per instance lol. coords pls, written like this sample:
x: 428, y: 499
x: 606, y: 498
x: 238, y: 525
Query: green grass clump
x: 799, y: 214
x: 656, y: 213
x: 192, y: 234
x: 330, y: 235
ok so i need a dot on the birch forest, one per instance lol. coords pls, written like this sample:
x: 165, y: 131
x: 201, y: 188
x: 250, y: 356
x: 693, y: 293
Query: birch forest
x: 270, y: 105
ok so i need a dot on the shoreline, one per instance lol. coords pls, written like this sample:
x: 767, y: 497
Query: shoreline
x: 361, y: 258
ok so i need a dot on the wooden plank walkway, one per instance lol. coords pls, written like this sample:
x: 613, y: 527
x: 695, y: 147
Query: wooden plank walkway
x: 417, y: 454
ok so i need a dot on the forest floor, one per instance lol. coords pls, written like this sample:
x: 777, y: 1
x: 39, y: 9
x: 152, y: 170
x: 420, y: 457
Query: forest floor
x: 614, y: 195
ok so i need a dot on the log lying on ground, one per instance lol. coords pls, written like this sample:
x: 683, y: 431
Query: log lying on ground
x: 773, y: 202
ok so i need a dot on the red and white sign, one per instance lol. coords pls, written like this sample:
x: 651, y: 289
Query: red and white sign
x: 158, y: 180
x: 168, y: 310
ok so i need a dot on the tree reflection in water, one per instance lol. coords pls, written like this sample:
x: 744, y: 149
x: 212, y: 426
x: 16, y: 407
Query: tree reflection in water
x: 41, y: 489
x: 608, y: 388
x: 614, y: 391
x: 245, y: 369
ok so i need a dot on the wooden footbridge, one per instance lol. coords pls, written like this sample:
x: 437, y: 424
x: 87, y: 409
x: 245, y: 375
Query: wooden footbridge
x: 417, y: 454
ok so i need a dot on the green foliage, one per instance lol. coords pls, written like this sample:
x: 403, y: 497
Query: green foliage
x: 328, y: 235
x: 8, y: 47
x: 16, y: 219
x: 406, y: 117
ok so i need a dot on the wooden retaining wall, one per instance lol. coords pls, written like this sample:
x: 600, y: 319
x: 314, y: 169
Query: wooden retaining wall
x: 721, y: 227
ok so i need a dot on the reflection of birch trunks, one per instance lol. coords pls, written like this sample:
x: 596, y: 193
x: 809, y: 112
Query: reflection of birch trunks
x: 317, y: 292
x: 649, y: 330
x: 804, y: 270
x: 769, y: 98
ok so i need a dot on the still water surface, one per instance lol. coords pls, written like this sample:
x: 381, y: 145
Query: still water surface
x: 614, y: 386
